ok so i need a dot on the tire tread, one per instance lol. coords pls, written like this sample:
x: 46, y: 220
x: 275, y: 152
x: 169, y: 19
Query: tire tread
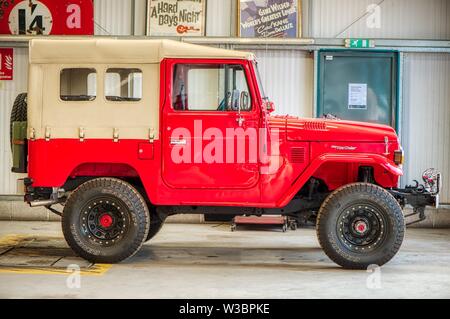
x: 325, y: 210
x: 141, y: 213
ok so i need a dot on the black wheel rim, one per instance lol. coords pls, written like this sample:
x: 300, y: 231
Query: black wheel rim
x: 362, y: 227
x: 104, y: 221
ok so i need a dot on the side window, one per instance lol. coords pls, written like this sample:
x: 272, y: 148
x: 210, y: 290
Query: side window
x: 210, y: 87
x: 123, y: 84
x: 78, y: 84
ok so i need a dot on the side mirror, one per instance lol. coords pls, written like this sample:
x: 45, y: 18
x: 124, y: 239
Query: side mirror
x: 269, y: 106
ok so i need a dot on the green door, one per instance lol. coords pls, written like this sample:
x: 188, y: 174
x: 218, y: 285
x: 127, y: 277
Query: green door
x: 358, y: 85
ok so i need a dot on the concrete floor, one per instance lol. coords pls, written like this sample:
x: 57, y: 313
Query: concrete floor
x: 209, y: 261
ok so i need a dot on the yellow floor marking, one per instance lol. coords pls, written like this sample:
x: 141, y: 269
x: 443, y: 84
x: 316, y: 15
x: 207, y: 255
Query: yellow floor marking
x: 95, y: 270
x: 11, y: 241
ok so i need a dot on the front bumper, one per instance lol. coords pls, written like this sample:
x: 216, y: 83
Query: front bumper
x: 420, y: 195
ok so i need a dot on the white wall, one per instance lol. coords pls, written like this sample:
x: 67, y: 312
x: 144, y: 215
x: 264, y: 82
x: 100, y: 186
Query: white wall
x: 112, y: 17
x: 403, y: 19
x: 288, y: 80
x: 426, y: 116
x: 220, y: 17
x: 8, y: 92
x: 288, y: 74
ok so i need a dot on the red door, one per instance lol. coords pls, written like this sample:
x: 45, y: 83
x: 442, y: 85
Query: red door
x: 210, y: 126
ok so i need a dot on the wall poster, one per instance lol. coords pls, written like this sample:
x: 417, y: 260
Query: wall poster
x: 269, y: 18
x: 176, y: 17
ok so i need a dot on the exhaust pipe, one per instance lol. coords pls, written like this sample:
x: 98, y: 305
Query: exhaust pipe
x: 46, y: 202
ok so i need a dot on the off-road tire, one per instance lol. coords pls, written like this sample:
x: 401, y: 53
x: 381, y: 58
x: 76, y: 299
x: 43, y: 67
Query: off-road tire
x: 156, y: 224
x: 337, y: 208
x: 18, y: 113
x: 132, y: 223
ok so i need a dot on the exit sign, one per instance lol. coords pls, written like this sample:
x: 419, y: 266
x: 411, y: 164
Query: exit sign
x: 359, y: 43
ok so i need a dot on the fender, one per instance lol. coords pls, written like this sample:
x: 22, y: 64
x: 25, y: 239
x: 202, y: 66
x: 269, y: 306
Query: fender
x: 360, y: 159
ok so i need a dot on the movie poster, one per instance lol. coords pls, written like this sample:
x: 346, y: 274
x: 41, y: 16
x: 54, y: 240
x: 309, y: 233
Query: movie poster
x: 269, y: 18
x: 176, y: 17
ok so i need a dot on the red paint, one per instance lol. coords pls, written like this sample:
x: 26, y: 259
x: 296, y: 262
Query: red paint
x: 47, y: 17
x: 361, y: 227
x: 231, y: 175
x: 106, y: 220
x: 336, y: 131
x: 330, y: 150
x: 145, y: 151
x: 6, y: 64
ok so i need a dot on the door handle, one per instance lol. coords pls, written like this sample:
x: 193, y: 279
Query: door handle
x: 178, y: 142
x: 240, y: 120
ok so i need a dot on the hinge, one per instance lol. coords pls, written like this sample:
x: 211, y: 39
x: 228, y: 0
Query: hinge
x: 47, y: 133
x: 81, y: 133
x: 151, y: 135
x: 115, y: 134
x: 32, y: 134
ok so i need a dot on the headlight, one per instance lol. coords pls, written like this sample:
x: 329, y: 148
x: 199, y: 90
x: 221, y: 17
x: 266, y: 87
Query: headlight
x: 399, y: 157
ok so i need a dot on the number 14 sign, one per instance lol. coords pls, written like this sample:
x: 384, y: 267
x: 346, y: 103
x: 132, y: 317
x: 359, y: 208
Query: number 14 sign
x: 6, y: 64
x: 46, y: 17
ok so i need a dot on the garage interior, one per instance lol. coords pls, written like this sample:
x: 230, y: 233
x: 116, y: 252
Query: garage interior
x: 197, y: 256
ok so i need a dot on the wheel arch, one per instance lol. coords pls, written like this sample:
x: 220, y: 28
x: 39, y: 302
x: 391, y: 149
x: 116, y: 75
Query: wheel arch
x: 386, y: 173
x: 90, y: 170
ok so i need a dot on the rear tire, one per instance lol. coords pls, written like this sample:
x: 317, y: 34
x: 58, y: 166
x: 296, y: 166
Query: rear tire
x: 18, y: 113
x: 105, y: 220
x: 359, y: 225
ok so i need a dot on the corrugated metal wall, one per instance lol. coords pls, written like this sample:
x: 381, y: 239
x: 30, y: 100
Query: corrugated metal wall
x: 405, y: 19
x: 219, y: 17
x: 426, y: 116
x: 8, y: 92
x: 288, y: 80
x: 112, y: 17
x: 288, y: 74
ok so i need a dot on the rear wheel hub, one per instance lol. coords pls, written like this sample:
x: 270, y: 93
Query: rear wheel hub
x: 104, y: 221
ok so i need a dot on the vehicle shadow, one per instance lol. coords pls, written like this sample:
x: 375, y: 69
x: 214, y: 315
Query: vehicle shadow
x: 196, y: 254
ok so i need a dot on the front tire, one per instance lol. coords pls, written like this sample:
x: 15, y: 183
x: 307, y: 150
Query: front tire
x: 105, y: 220
x: 157, y: 222
x: 359, y: 225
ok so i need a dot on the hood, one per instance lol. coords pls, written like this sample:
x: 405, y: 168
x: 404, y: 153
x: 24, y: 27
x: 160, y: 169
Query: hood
x: 300, y: 129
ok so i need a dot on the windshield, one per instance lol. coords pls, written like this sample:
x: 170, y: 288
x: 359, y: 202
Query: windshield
x: 260, y: 84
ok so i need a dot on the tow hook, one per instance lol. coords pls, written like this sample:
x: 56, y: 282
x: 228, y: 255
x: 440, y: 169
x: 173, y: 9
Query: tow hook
x: 420, y: 195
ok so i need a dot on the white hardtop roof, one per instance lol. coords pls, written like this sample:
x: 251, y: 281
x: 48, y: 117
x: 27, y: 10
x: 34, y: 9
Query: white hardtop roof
x: 92, y: 50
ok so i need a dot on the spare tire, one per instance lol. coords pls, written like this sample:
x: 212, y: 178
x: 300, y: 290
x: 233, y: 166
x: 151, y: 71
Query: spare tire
x: 18, y: 113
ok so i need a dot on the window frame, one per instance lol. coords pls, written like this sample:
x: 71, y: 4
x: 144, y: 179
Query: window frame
x: 105, y: 71
x: 248, y: 79
x: 97, y: 86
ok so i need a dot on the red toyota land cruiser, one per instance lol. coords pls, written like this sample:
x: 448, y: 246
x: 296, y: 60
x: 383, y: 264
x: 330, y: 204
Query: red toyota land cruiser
x: 124, y: 133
